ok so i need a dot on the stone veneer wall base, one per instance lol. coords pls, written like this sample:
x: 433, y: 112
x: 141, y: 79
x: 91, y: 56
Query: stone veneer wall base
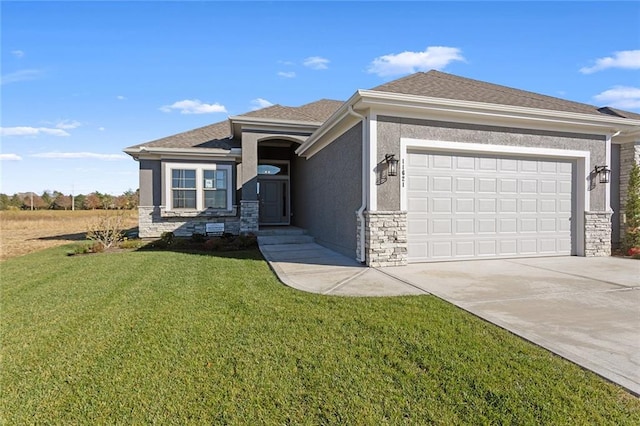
x: 386, y: 238
x: 249, y: 215
x: 152, y: 223
x: 597, y: 234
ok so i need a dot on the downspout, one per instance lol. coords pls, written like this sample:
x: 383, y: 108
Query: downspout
x: 607, y: 160
x: 360, y: 212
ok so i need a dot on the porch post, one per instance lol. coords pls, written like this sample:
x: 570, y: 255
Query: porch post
x: 249, y: 209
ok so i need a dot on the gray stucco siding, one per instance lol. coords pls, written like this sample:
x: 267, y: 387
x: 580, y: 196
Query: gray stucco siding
x: 327, y: 191
x: 150, y: 183
x: 391, y: 129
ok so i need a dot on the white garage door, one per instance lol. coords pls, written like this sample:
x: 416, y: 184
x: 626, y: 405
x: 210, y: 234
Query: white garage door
x: 462, y: 207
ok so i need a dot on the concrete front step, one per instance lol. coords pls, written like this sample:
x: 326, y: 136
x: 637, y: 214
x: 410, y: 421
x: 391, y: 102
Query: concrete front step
x: 265, y: 240
x: 280, y: 230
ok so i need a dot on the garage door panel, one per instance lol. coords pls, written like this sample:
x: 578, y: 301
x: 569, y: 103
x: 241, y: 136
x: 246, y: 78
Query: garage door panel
x: 464, y: 226
x: 508, y: 186
x: 487, y: 185
x: 469, y: 207
x: 441, y: 184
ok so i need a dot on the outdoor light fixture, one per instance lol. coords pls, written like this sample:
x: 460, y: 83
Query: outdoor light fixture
x: 392, y: 164
x: 604, y: 173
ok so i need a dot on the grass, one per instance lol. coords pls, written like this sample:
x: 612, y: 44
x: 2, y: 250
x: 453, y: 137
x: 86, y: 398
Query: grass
x: 178, y: 338
x: 25, y: 231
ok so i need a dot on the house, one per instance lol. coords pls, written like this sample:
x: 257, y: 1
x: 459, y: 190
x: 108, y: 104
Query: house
x: 428, y: 167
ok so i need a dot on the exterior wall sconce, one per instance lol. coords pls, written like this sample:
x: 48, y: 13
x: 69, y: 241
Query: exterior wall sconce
x: 392, y: 164
x: 604, y: 172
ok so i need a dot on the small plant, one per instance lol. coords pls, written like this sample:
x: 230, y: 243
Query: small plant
x: 198, y: 238
x: 134, y: 243
x: 106, y: 231
x: 631, y: 244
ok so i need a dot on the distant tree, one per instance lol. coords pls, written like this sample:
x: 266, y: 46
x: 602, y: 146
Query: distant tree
x: 4, y: 201
x: 107, y: 200
x: 16, y: 201
x: 128, y: 200
x: 92, y: 202
x: 79, y: 201
x: 47, y: 198
x: 61, y: 201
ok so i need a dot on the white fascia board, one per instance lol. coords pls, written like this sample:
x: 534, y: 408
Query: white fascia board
x: 151, y: 153
x: 386, y: 100
x: 271, y: 124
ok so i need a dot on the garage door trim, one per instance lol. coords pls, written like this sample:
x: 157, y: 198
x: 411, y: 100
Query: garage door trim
x: 582, y: 158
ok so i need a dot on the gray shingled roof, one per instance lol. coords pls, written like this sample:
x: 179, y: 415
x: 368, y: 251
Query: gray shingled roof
x: 317, y: 111
x: 434, y: 84
x: 619, y: 113
x: 438, y: 84
x: 217, y: 135
x: 212, y: 136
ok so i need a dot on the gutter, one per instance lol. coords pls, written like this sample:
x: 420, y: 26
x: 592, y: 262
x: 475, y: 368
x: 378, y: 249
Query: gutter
x: 360, y: 211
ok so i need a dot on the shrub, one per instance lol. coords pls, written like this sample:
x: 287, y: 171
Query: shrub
x: 131, y: 243
x: 106, y: 230
x: 214, y: 244
x: 632, y: 211
x: 198, y: 238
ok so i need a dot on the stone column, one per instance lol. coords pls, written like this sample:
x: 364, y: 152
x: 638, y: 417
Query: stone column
x: 597, y: 234
x: 249, y: 208
x: 386, y: 238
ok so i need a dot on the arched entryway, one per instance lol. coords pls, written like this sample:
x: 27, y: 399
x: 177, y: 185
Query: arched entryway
x: 275, y: 161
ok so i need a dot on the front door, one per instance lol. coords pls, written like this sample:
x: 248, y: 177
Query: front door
x: 274, y: 201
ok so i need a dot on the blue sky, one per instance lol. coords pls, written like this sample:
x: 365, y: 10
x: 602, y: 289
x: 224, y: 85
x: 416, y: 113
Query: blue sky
x: 83, y: 80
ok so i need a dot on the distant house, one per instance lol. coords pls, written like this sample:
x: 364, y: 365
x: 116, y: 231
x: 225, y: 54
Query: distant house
x: 483, y: 171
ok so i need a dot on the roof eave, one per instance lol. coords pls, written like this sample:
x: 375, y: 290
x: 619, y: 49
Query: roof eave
x: 370, y: 98
x: 204, y: 152
x: 239, y: 121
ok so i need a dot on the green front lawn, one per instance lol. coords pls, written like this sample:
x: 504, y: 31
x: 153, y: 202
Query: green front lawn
x: 178, y: 338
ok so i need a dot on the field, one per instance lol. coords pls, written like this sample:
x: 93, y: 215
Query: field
x: 23, y: 232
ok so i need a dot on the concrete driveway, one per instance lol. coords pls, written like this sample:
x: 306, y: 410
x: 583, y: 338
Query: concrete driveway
x: 584, y: 309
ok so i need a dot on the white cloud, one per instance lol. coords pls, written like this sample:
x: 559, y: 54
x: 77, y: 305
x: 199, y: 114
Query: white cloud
x: 316, y: 63
x: 626, y: 59
x: 31, y: 131
x: 68, y: 124
x: 76, y: 155
x: 194, y: 106
x: 22, y: 75
x: 287, y: 74
x: 10, y: 157
x: 120, y: 98
x: 622, y: 97
x: 102, y: 129
x: 260, y: 103
x: 17, y: 53
x: 434, y: 57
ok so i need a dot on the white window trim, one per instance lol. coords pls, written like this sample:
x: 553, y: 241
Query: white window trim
x: 582, y: 158
x: 199, y: 168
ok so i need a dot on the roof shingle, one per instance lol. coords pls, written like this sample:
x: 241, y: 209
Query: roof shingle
x: 212, y: 136
x: 438, y: 84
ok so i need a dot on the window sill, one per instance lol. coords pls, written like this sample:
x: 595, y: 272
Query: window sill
x: 199, y: 213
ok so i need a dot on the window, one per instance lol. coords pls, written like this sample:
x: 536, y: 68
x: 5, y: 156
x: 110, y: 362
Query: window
x: 183, y: 186
x: 198, y: 186
x: 215, y: 189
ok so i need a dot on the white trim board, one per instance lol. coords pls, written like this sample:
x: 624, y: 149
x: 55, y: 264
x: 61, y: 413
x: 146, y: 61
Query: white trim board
x: 582, y: 158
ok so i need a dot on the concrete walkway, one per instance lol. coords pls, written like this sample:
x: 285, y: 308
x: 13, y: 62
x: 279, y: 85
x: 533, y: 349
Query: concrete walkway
x: 586, y: 310
x: 316, y: 269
